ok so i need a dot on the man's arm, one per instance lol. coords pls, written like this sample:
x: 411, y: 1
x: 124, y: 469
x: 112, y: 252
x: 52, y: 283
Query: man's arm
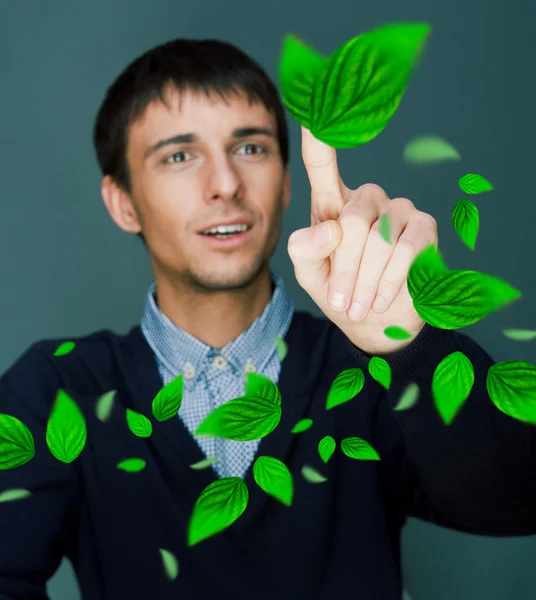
x: 476, y: 475
x: 36, y: 531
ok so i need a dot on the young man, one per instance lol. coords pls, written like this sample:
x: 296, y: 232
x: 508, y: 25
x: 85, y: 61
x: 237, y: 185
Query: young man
x: 192, y: 136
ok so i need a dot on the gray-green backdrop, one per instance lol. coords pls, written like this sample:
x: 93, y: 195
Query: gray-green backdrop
x: 67, y: 270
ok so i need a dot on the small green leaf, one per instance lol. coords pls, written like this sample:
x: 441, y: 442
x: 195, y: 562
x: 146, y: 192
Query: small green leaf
x: 104, y: 406
x: 380, y: 370
x: 16, y: 443
x: 302, y: 425
x: 345, y: 386
x: 326, y: 448
x: 429, y: 149
x: 474, y: 184
x: 358, y: 448
x: 385, y: 227
x: 409, y: 397
x: 427, y: 265
x: 260, y: 386
x: 170, y: 563
x: 206, y: 462
x: 66, y: 431
x: 312, y: 475
x: 522, y: 335
x: 167, y: 402
x: 139, y: 424
x: 14, y: 494
x: 281, y: 347
x: 273, y: 477
x: 396, y: 333
x: 466, y: 221
x: 452, y: 383
x: 220, y: 504
x: 64, y: 348
x: 132, y: 465
x: 511, y: 386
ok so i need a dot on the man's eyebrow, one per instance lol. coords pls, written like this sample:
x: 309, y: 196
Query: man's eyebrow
x: 188, y: 138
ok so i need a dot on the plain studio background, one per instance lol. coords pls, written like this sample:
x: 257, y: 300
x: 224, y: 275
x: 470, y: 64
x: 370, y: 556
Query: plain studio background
x: 67, y: 270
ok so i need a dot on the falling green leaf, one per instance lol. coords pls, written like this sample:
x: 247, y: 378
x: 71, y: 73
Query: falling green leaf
x: 220, y: 504
x: 14, y: 494
x: 511, y: 386
x: 66, y: 431
x: 273, y: 477
x: 474, y: 184
x: 385, y: 227
x: 428, y: 264
x: 461, y: 298
x: 206, y: 462
x: 396, y: 333
x: 429, y: 149
x: 281, y: 347
x: 452, y: 383
x: 346, y: 385
x: 380, y: 370
x: 167, y: 402
x: 409, y: 397
x: 132, y: 465
x: 362, y: 85
x: 139, y: 424
x: 299, y: 67
x: 260, y: 386
x: 302, y: 425
x: 522, y: 335
x: 16, y: 443
x: 104, y: 405
x: 170, y: 563
x: 64, y: 348
x: 326, y: 448
x: 312, y: 475
x: 358, y: 448
x: 466, y: 221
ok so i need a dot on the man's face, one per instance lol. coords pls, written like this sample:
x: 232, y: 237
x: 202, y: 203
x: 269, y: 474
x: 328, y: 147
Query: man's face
x: 181, y: 188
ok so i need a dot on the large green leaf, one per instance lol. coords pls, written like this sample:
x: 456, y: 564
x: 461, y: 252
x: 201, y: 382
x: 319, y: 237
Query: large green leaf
x: 167, y: 402
x: 273, y: 476
x: 139, y: 424
x: 16, y: 443
x: 380, y: 370
x: 466, y: 221
x: 345, y: 386
x: 260, y: 386
x: 66, y: 432
x: 511, y: 386
x: 452, y: 383
x: 326, y: 447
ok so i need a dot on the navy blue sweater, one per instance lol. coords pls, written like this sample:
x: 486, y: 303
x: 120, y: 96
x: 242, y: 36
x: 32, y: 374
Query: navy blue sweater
x: 340, y: 539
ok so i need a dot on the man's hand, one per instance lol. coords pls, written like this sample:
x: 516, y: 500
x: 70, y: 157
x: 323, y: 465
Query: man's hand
x: 357, y: 267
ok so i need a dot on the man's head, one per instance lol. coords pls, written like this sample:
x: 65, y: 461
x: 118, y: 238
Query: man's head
x: 167, y: 190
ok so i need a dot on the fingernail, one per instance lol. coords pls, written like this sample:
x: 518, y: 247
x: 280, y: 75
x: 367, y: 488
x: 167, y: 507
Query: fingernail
x: 337, y: 301
x: 324, y: 233
x: 356, y: 311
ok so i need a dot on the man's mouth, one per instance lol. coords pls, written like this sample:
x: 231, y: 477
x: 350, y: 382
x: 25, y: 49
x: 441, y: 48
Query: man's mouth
x: 226, y: 231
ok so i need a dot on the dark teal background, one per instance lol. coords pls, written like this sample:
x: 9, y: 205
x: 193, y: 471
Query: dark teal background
x: 67, y: 270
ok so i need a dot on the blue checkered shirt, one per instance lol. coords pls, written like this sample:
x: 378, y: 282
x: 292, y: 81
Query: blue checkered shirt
x: 212, y: 377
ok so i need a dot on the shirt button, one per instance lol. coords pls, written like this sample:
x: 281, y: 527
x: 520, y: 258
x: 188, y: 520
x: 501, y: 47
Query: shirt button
x: 250, y: 367
x: 189, y: 371
x: 219, y: 362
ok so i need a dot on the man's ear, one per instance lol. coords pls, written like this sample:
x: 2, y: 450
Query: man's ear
x: 120, y: 206
x: 286, y: 191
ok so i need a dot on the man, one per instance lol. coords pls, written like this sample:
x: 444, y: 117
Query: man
x: 192, y: 136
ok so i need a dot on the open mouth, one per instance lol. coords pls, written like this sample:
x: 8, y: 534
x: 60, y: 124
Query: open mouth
x: 226, y: 235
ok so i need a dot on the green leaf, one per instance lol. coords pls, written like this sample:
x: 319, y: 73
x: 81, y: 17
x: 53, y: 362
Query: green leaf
x: 380, y: 370
x: 299, y: 67
x: 429, y: 149
x: 220, y: 504
x: 66, y: 432
x: 260, y: 386
x: 16, y: 443
x: 361, y: 87
x: 461, y: 298
x: 170, y: 563
x: 312, y: 475
x: 273, y: 477
x: 358, y: 448
x: 466, y: 221
x: 167, y: 402
x: 474, y: 184
x: 206, y: 462
x: 409, y: 397
x: 326, y: 448
x: 396, y: 333
x: 346, y: 385
x: 302, y: 425
x: 64, y: 348
x: 132, y: 465
x: 104, y: 406
x: 427, y: 265
x: 14, y: 494
x: 511, y: 386
x: 281, y: 347
x: 385, y: 227
x: 452, y: 383
x: 522, y: 335
x: 139, y: 424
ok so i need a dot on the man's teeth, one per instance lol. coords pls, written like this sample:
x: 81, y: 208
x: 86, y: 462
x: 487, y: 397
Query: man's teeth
x: 222, y: 229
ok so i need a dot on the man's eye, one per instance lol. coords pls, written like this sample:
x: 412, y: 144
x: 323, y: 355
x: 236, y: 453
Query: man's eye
x: 171, y: 158
x: 255, y: 146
